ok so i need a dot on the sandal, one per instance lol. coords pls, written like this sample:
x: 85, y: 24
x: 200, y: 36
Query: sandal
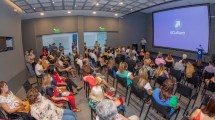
x: 77, y: 110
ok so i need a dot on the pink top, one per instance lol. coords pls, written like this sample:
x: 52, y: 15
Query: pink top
x: 159, y: 61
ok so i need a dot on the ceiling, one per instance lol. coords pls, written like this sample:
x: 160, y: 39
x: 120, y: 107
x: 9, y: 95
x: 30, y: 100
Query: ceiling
x: 106, y: 8
x: 114, y: 6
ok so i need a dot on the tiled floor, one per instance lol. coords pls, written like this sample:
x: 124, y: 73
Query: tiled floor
x: 81, y: 102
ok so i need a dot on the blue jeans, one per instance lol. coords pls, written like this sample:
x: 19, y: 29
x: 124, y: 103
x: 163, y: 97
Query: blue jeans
x: 68, y: 115
x: 30, y: 69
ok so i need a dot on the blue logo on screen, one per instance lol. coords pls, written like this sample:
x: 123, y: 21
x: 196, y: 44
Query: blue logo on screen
x: 177, y: 24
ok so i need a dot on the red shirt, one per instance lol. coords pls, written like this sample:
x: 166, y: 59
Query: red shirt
x: 91, y: 80
x: 58, y: 78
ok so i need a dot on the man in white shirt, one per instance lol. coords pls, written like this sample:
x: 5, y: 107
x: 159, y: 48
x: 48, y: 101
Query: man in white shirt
x: 39, y: 68
x: 143, y: 43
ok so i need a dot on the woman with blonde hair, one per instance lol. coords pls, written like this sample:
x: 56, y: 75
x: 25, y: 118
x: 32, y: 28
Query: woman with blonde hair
x: 124, y: 73
x: 189, y: 70
x: 142, y: 82
x: 161, y: 72
x: 58, y: 93
x: 97, y: 95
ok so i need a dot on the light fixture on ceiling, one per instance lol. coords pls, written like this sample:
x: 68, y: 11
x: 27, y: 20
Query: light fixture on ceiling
x: 121, y: 3
x: 111, y: 8
x: 34, y: 8
x: 116, y: 14
x: 97, y: 4
x: 94, y: 12
x: 131, y: 9
x: 53, y: 1
x: 69, y: 12
x: 42, y: 14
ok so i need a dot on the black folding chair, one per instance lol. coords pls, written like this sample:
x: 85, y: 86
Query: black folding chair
x: 175, y: 74
x: 205, y: 100
x: 139, y: 93
x: 87, y: 89
x: 110, y: 73
x: 93, y: 114
x: 186, y: 91
x: 160, y: 80
x: 123, y: 83
x: 210, y: 88
x: 163, y: 110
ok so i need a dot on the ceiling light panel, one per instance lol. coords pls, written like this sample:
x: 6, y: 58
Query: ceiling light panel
x: 32, y: 1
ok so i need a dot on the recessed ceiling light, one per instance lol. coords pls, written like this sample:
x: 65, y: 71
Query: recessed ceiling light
x: 121, y: 3
x: 131, y: 9
x: 94, y: 12
x: 111, y: 8
x: 75, y: 5
x: 42, y: 14
x: 52, y: 1
x: 97, y: 4
x: 116, y: 14
x: 34, y: 8
x: 69, y: 12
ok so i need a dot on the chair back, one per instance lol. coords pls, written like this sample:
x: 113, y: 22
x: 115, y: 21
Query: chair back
x: 194, y: 80
x: 176, y: 74
x: 206, y: 100
x: 161, y: 80
x: 27, y: 85
x: 138, y: 92
x: 163, y: 110
x: 110, y: 72
x: 184, y: 90
x: 211, y: 86
x: 122, y: 81
x: 208, y: 75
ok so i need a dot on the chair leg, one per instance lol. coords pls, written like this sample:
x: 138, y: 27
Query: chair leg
x: 116, y: 86
x: 91, y: 114
x: 114, y: 81
x: 187, y: 106
x: 142, y: 108
x: 147, y: 112
x: 129, y: 97
x: 126, y: 93
x: 177, y: 114
x: 195, y: 99
x: 69, y: 105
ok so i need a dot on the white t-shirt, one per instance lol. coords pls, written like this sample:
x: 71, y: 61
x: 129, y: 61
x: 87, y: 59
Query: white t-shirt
x: 80, y: 63
x: 94, y: 56
x: 38, y: 67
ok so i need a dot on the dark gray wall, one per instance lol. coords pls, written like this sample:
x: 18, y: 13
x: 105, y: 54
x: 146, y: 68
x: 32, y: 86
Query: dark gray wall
x: 179, y: 53
x: 132, y: 28
x: 12, y: 67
